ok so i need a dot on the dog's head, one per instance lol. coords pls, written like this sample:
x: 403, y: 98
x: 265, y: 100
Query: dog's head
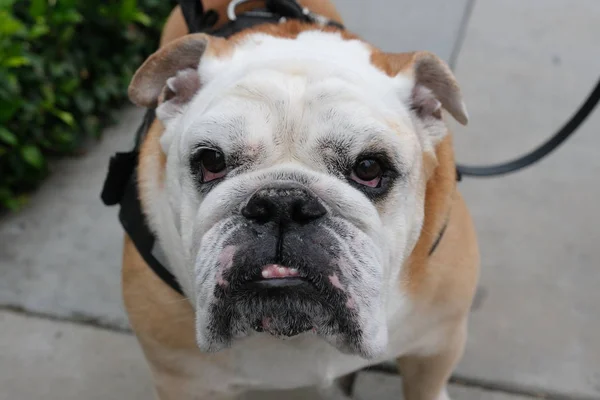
x: 293, y: 188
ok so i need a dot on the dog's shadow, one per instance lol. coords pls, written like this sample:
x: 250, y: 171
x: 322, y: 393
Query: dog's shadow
x: 341, y: 390
x: 298, y: 394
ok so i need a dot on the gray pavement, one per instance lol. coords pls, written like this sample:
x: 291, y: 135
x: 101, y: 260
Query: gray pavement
x: 60, y: 255
x: 50, y: 360
x: 524, y: 67
x: 407, y: 25
x: 42, y: 359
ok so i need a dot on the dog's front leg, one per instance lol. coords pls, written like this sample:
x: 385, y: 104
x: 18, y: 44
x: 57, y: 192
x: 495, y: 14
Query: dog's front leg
x: 425, y: 377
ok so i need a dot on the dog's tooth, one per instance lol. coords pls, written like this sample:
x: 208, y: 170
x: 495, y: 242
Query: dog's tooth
x: 293, y: 271
x: 282, y: 271
x: 266, y: 273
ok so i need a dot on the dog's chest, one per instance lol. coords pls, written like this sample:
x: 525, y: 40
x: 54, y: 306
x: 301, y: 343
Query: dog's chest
x: 265, y: 363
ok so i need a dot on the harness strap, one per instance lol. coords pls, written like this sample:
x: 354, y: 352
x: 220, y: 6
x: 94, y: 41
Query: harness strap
x: 193, y: 12
x: 120, y: 187
x: 134, y: 223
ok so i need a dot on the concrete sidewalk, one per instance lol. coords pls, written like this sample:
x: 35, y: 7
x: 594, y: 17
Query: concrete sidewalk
x: 524, y: 67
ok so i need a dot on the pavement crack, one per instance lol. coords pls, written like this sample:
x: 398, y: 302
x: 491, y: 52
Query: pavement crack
x: 386, y: 368
x: 75, y: 318
x: 462, y: 33
x: 495, y: 386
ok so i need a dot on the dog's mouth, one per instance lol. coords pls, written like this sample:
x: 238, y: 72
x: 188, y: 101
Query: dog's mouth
x: 283, y: 301
x: 281, y: 284
x: 302, y: 287
x: 278, y: 276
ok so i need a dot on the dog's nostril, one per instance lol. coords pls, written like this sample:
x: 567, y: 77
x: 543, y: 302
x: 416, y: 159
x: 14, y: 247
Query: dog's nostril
x: 258, y: 209
x: 306, y: 211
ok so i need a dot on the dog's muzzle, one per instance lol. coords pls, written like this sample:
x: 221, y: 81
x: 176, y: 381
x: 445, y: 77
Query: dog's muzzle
x: 286, y: 208
x: 285, y: 273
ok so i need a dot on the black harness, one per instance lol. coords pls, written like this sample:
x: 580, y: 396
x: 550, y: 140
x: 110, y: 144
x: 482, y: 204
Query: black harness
x: 120, y: 186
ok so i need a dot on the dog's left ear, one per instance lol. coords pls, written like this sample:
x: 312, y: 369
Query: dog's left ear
x: 434, y: 85
x: 169, y: 78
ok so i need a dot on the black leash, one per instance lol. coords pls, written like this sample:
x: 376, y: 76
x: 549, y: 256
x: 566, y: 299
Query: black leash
x: 542, y: 151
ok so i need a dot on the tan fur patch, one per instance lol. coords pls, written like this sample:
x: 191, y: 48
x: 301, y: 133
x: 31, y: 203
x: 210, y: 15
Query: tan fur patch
x: 439, y: 193
x: 391, y: 64
x: 289, y: 30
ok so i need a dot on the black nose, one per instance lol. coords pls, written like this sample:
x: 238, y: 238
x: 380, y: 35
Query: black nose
x: 284, y: 204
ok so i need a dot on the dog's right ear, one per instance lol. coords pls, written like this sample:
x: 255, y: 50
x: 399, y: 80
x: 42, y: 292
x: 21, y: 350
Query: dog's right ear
x: 169, y: 77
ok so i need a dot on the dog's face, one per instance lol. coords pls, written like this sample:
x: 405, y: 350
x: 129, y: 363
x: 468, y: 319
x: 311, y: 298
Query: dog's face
x: 294, y: 182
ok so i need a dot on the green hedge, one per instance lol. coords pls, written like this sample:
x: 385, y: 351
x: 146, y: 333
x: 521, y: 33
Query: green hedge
x: 64, y: 67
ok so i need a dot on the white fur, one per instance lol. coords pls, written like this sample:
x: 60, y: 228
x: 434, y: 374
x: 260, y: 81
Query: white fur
x: 278, y: 84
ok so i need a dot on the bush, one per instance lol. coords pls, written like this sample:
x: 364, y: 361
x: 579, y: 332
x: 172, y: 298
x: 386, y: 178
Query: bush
x: 64, y: 66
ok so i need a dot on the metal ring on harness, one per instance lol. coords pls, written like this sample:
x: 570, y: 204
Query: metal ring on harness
x: 232, y: 6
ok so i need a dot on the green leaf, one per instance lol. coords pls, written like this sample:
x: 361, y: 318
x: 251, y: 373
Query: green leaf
x: 49, y: 96
x: 38, y: 8
x: 69, y: 85
x: 127, y: 10
x: 84, y: 102
x: 142, y: 18
x: 14, y: 203
x: 14, y: 62
x: 10, y: 84
x: 33, y: 156
x: 73, y: 17
x: 9, y: 25
x: 63, y: 137
x: 67, y: 34
x: 38, y: 30
x: 66, y: 117
x: 6, y: 3
x: 8, y: 137
x: 7, y: 199
x: 64, y: 69
x: 9, y: 108
x: 57, y: 69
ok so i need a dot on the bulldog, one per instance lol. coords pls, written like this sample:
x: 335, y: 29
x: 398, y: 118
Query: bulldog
x: 302, y: 186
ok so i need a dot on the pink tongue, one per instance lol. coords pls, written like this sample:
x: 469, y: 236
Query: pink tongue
x: 278, y: 271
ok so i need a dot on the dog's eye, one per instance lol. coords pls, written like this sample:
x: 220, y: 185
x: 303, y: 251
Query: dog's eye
x: 213, y: 165
x: 367, y: 172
